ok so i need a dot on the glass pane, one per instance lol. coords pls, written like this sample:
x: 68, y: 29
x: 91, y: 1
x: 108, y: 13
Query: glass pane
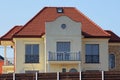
x: 95, y: 59
x: 28, y: 49
x: 36, y: 49
x: 88, y: 49
x: 63, y: 46
x: 95, y: 49
x: 112, y: 60
x: 88, y: 59
x: 27, y: 58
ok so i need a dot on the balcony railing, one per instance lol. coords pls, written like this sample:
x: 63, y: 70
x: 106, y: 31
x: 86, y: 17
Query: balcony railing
x: 9, y: 62
x: 64, y: 56
x: 31, y: 58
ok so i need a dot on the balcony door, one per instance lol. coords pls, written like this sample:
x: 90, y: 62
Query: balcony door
x: 63, y: 51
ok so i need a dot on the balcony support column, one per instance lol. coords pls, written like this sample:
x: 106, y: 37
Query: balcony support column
x: 5, y: 55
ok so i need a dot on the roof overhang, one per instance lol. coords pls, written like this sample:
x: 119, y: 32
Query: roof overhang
x: 6, y: 42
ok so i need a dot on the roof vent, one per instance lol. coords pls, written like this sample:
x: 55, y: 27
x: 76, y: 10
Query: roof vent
x: 59, y: 10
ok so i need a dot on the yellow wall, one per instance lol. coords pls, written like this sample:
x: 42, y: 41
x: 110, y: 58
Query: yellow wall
x: 103, y: 54
x: 58, y: 67
x: 7, y: 69
x: 20, y: 56
x: 20, y: 65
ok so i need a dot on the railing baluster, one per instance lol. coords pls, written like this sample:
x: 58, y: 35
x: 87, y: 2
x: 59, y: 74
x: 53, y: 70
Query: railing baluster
x: 64, y: 56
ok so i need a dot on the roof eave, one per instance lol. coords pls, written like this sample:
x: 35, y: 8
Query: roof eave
x: 96, y: 36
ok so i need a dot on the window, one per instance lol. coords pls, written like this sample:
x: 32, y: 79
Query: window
x: 63, y: 26
x: 32, y: 53
x: 59, y: 10
x: 63, y: 69
x: 112, y: 61
x: 63, y: 46
x: 63, y: 50
x: 92, y: 53
x: 73, y: 70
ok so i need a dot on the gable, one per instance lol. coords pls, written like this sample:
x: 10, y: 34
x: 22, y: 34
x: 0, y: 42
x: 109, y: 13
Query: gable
x: 63, y: 26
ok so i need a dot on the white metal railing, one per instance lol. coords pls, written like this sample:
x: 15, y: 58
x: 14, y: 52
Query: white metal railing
x: 64, y: 56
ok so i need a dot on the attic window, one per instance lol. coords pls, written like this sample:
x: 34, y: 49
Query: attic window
x: 63, y: 26
x: 59, y: 10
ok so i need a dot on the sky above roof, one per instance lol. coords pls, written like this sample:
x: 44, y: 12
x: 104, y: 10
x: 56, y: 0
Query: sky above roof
x: 105, y: 13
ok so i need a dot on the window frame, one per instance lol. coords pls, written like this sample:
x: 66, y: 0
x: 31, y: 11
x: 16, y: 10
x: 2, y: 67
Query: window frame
x: 59, y: 10
x: 72, y: 70
x: 92, y: 54
x: 64, y: 70
x: 33, y: 56
x: 112, y: 65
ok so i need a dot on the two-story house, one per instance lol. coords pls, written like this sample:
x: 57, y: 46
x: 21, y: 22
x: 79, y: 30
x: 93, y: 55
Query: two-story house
x: 62, y: 39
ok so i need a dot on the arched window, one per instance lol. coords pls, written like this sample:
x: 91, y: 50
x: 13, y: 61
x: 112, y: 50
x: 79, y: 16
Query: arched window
x: 73, y: 70
x: 111, y: 61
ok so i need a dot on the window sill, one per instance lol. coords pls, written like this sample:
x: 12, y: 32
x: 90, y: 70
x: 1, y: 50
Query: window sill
x: 32, y: 63
x: 92, y: 63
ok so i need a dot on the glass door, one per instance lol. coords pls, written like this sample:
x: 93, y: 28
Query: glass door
x: 63, y: 51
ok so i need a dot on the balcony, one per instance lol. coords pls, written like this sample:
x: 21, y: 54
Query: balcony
x: 8, y: 66
x: 64, y: 56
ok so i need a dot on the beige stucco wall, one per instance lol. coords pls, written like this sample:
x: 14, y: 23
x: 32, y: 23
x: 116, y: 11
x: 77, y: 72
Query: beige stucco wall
x: 103, y: 54
x: 59, y: 67
x: 114, y: 48
x: 20, y: 65
x: 54, y: 34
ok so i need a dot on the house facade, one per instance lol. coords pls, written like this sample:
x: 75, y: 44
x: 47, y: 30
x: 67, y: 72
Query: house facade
x: 62, y: 39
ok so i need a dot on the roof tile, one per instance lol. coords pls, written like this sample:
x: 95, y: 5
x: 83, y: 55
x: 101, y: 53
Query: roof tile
x: 114, y: 37
x: 9, y: 35
x: 36, y: 26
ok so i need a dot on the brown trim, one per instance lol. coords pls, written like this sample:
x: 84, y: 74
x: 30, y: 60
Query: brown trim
x: 96, y: 37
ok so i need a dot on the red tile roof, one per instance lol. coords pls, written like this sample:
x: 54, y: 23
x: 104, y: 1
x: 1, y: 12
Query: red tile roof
x: 113, y: 37
x: 36, y: 26
x: 9, y: 35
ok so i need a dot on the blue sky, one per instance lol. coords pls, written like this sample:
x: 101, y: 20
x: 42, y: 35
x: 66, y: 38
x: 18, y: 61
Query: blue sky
x: 105, y: 13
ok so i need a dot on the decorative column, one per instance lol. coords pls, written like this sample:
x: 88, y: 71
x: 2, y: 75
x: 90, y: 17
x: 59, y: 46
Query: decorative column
x: 14, y: 58
x: 5, y: 54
